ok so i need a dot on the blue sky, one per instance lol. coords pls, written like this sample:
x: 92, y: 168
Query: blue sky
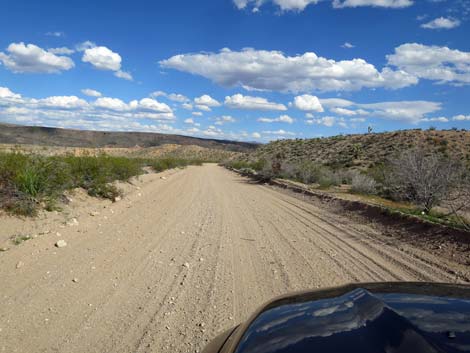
x: 239, y: 69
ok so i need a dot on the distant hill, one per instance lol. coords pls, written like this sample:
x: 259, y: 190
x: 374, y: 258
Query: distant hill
x: 364, y: 151
x: 47, y: 136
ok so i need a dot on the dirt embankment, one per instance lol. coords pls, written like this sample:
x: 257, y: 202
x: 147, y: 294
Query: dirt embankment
x: 181, y: 258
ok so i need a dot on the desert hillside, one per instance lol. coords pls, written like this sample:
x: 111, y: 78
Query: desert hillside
x: 365, y: 150
x: 46, y: 136
x: 189, y: 152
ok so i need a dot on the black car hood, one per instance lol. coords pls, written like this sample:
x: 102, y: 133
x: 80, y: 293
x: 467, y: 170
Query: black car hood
x: 361, y: 321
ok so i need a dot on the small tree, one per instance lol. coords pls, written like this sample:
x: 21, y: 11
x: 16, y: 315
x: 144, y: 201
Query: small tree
x: 422, y: 178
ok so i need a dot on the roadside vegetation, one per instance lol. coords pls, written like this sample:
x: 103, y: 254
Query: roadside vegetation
x: 159, y: 165
x: 426, y: 183
x: 29, y: 182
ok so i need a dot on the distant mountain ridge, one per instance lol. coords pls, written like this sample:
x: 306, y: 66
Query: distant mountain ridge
x: 49, y: 136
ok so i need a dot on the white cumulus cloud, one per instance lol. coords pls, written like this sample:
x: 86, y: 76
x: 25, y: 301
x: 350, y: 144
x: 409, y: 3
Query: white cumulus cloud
x: 348, y: 112
x: 102, y: 58
x: 104, y: 113
x: 300, y: 5
x: 175, y: 97
x: 63, y: 102
x: 274, y: 71
x: 239, y: 101
x: 441, y: 23
x: 328, y: 121
x: 85, y: 45
x: 436, y: 63
x: 111, y: 104
x: 61, y: 51
x: 203, y: 107
x: 394, y: 4
x: 207, y: 101
x: 405, y: 111
x: 224, y: 119
x: 282, y: 119
x: 347, y: 45
x: 5, y: 92
x: 357, y: 120
x: 149, y: 104
x: 461, y: 117
x: 29, y: 58
x: 440, y: 119
x: 187, y: 106
x: 308, y: 102
x: 124, y: 75
x: 91, y: 92
x: 279, y: 132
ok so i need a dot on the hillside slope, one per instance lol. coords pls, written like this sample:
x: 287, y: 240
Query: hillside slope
x: 363, y: 151
x: 46, y: 136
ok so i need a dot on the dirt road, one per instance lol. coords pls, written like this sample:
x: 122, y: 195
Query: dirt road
x: 180, y: 259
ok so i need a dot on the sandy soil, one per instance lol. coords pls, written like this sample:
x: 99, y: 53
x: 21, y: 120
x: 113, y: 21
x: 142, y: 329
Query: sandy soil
x: 178, y: 260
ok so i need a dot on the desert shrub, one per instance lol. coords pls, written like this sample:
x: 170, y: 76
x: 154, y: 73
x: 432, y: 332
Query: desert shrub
x: 104, y: 190
x: 425, y: 179
x: 238, y: 164
x: 344, y: 176
x: 327, y: 180
x: 30, y: 181
x: 271, y: 169
x: 27, y: 180
x: 306, y: 172
x: 123, y: 169
x: 159, y: 165
x: 16, y: 202
x: 379, y: 172
x: 363, y: 184
x: 256, y: 165
x: 33, y: 175
x: 357, y: 150
x: 309, y: 172
x: 95, y: 174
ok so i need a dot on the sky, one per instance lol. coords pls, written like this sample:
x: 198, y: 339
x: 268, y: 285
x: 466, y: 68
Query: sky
x: 249, y: 70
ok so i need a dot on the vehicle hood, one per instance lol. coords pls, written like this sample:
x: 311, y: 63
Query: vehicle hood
x: 362, y: 320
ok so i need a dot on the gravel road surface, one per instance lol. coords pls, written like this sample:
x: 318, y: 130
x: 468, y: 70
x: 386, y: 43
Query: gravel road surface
x: 181, y: 258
